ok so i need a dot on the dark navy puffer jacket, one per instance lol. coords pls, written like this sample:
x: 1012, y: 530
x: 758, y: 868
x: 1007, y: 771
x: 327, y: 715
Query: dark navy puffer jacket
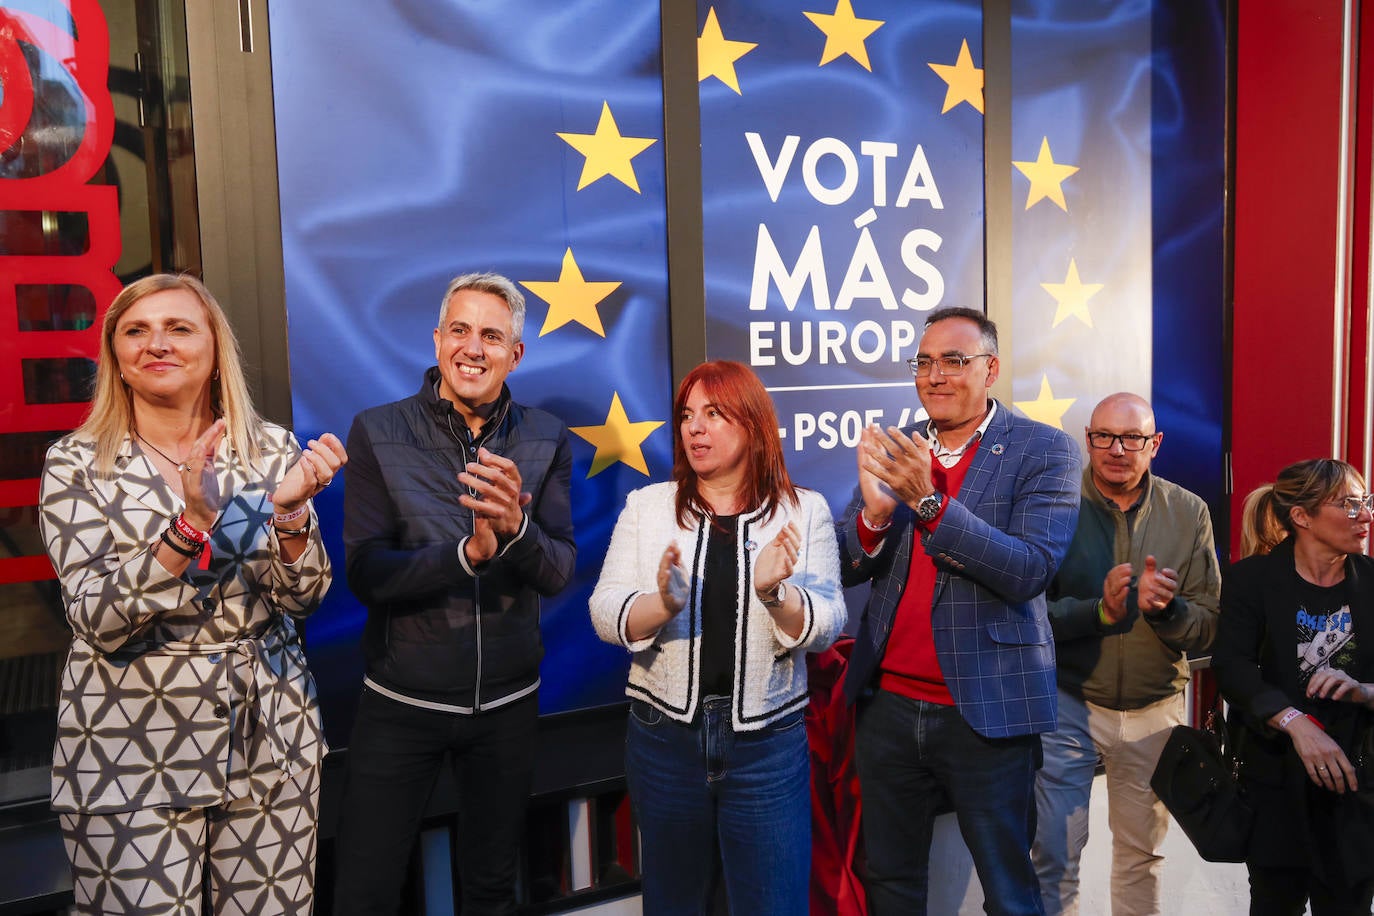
x: 437, y: 632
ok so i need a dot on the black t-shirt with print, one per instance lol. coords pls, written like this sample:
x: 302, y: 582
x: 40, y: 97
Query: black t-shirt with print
x: 1326, y: 635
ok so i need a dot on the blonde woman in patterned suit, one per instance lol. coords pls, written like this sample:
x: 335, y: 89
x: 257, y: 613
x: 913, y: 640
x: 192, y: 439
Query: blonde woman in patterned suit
x: 186, y: 770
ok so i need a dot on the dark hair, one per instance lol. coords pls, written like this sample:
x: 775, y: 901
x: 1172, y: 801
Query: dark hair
x: 741, y: 398
x: 987, y: 328
x: 1305, y: 484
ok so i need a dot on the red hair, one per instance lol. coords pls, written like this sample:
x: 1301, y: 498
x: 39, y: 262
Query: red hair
x: 739, y: 395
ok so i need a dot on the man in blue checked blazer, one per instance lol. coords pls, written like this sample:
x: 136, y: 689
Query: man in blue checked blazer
x: 959, y: 523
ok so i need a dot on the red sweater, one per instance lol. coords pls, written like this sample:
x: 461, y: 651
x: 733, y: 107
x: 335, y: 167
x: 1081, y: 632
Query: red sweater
x: 910, y: 667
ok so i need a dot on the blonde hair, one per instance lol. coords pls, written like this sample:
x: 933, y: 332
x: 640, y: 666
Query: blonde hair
x: 1260, y: 531
x: 112, y: 414
x: 1268, y: 510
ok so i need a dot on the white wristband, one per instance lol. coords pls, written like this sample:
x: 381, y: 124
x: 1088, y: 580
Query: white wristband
x: 1289, y: 717
x: 872, y: 527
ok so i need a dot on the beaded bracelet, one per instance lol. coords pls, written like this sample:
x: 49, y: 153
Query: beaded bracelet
x: 183, y: 528
x: 189, y: 553
x: 191, y: 543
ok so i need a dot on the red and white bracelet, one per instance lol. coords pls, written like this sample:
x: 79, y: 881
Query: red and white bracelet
x: 182, y: 529
x: 286, y: 518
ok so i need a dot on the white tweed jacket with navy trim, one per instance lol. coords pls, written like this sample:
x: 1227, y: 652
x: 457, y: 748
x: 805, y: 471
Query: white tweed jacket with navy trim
x: 770, y: 667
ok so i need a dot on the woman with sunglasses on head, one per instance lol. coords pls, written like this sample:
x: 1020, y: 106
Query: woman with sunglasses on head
x: 187, y: 765
x: 1294, y: 656
x: 719, y: 582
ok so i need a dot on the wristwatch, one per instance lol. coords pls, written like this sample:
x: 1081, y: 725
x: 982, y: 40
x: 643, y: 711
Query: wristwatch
x: 929, y: 507
x: 776, y: 599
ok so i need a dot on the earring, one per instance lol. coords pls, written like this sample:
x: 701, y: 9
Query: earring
x: 214, y: 376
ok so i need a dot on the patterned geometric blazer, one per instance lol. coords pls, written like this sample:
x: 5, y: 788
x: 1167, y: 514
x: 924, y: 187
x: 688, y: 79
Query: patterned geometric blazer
x: 178, y: 691
x: 996, y: 548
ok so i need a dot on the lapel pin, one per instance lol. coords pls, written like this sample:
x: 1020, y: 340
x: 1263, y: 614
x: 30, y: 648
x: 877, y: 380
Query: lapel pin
x: 998, y: 448
x: 751, y: 544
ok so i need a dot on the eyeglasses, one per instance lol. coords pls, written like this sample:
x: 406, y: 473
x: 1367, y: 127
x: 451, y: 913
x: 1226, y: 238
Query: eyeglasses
x: 1353, y: 504
x: 1130, y: 442
x: 949, y: 365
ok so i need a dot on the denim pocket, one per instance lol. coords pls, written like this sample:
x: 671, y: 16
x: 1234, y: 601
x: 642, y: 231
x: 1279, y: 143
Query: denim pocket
x: 645, y: 714
x: 793, y: 721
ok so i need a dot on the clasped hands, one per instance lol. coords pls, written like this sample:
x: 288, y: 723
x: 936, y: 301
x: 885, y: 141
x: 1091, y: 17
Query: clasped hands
x: 894, y: 467
x: 1326, y: 764
x: 497, y: 503
x: 776, y: 561
x: 318, y: 464
x: 1155, y: 588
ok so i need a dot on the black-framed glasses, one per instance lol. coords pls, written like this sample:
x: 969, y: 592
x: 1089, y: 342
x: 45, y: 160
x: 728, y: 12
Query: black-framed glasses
x: 1131, y: 442
x: 1353, y: 504
x: 949, y: 365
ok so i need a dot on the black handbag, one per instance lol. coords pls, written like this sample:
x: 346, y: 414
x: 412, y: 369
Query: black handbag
x: 1196, y: 778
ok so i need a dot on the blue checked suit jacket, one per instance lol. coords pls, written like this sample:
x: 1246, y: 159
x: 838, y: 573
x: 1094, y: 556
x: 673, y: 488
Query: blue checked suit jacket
x: 996, y: 548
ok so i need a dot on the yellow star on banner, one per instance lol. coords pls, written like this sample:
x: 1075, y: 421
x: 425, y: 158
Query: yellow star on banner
x: 618, y: 439
x: 571, y: 298
x: 716, y: 54
x: 964, y: 81
x: 844, y: 33
x: 1046, y: 408
x: 1045, y: 176
x: 1072, y: 295
x: 607, y: 152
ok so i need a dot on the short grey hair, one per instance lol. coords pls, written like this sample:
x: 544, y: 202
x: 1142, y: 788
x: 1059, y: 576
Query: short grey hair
x: 495, y: 284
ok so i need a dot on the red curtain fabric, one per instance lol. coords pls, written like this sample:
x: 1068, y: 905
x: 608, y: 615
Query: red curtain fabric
x: 835, y: 886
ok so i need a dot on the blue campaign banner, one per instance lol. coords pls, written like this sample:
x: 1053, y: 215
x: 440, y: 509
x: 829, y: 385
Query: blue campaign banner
x: 420, y: 139
x: 1188, y: 153
x: 1118, y: 132
x: 1081, y: 202
x: 842, y: 176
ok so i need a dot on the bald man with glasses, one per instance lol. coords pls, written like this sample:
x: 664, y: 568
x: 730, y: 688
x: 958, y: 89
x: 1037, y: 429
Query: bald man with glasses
x: 1137, y: 593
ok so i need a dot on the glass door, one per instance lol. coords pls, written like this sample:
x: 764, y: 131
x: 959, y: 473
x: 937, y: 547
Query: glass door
x: 97, y: 188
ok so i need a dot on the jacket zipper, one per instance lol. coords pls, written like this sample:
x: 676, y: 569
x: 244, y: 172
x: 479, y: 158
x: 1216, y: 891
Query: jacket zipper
x: 1122, y: 530
x: 476, y: 606
x: 469, y: 452
x: 477, y: 615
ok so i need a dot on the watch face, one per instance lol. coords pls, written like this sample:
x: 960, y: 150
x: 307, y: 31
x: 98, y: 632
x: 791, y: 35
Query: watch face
x: 928, y: 507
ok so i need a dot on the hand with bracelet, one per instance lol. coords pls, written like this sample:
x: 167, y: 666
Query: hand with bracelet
x: 1326, y: 764
x: 319, y: 463
x: 1112, y: 609
x: 187, y: 539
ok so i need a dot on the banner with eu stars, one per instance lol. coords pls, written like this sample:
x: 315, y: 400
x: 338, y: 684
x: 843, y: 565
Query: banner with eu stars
x: 521, y: 137
x: 842, y: 176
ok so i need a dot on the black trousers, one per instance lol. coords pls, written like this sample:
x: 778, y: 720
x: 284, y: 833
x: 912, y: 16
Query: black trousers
x: 394, y: 757
x: 1286, y: 892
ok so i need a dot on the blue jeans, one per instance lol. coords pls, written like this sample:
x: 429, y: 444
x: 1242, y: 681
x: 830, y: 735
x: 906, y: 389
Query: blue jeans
x: 706, y: 794
x: 1129, y: 742
x: 917, y: 759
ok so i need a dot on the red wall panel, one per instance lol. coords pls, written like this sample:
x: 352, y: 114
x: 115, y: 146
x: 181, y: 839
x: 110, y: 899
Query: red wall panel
x: 1287, y: 235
